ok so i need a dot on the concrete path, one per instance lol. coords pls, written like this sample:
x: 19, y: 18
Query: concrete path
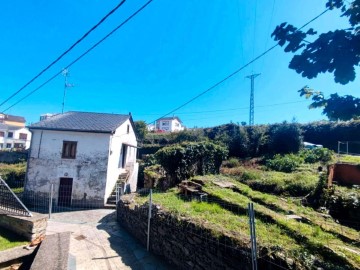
x: 98, y: 242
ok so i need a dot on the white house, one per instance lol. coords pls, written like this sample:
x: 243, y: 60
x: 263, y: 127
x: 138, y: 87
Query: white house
x: 169, y: 124
x: 13, y: 134
x: 82, y: 154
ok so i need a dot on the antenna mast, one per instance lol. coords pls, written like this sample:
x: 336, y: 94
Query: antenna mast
x: 66, y: 74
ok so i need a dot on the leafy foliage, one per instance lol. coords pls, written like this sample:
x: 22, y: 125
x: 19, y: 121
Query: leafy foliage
x: 231, y: 163
x: 317, y: 155
x: 13, y: 173
x: 287, y: 163
x: 140, y: 130
x: 284, y: 138
x: 181, y: 161
x: 344, y: 203
x: 335, y: 107
x: 335, y: 51
x: 329, y: 133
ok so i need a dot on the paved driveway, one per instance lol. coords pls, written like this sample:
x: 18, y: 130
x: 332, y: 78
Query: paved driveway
x: 98, y: 242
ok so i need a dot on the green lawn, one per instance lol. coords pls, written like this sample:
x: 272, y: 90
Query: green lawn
x: 9, y: 239
x: 296, y: 184
x: 349, y: 159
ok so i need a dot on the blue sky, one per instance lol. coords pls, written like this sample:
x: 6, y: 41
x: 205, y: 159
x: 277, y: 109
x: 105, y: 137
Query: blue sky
x: 167, y: 54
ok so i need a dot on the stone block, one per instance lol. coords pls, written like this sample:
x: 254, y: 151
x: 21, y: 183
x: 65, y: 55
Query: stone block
x: 28, y: 227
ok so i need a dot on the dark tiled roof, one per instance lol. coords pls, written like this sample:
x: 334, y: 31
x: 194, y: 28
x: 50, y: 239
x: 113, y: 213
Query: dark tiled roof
x: 13, y: 118
x: 83, y: 122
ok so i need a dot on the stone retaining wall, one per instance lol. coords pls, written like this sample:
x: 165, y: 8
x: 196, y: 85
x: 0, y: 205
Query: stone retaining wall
x: 182, y: 243
x: 28, y: 227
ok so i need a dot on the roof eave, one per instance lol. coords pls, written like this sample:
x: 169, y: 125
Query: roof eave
x: 72, y: 130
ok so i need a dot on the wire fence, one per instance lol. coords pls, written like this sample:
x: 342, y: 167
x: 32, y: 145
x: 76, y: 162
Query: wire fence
x: 61, y: 197
x: 348, y: 148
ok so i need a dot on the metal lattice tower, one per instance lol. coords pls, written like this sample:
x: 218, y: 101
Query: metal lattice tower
x: 252, y: 110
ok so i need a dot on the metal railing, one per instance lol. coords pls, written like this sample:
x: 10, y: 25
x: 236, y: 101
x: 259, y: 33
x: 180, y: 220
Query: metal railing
x: 10, y: 202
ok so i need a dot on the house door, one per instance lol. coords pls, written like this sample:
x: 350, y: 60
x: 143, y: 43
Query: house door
x: 65, y: 190
x: 123, y: 155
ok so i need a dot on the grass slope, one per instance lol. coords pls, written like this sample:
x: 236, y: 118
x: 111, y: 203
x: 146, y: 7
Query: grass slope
x: 9, y: 239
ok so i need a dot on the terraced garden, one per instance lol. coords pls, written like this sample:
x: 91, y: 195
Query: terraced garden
x: 309, y: 238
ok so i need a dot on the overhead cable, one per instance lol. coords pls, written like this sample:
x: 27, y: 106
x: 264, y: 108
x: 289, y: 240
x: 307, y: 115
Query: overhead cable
x: 64, y: 53
x: 82, y: 55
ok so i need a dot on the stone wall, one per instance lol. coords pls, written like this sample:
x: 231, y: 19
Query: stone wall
x: 182, y: 243
x: 28, y: 227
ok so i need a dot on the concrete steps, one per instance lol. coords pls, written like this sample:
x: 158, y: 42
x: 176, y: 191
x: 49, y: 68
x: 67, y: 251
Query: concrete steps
x: 111, y: 201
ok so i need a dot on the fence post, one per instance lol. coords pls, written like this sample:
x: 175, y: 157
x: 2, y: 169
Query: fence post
x: 149, y: 218
x: 252, y: 236
x: 50, y: 199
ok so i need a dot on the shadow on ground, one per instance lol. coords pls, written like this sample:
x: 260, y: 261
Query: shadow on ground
x: 131, y: 251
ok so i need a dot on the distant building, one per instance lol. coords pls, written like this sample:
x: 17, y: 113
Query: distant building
x: 46, y: 116
x: 12, y: 120
x: 13, y: 134
x: 150, y: 127
x: 169, y: 124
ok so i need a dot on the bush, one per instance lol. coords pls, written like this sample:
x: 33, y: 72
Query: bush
x: 284, y: 138
x: 317, y: 155
x: 287, y: 163
x: 13, y: 173
x: 231, y: 163
x: 182, y: 161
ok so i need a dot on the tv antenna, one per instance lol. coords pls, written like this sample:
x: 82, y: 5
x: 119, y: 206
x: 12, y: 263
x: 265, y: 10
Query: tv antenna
x: 65, y: 72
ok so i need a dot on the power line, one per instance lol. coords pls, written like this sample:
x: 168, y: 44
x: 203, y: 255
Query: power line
x: 232, y: 109
x: 64, y: 53
x: 236, y: 71
x: 82, y: 55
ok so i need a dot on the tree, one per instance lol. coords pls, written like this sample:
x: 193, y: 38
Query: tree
x: 335, y: 107
x: 140, y: 130
x: 337, y: 52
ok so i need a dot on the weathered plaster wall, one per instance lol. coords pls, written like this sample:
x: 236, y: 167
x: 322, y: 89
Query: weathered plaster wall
x: 28, y: 227
x: 120, y: 137
x: 88, y: 169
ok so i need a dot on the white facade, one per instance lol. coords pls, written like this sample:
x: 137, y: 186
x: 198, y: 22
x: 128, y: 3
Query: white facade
x: 14, y: 137
x: 92, y: 171
x: 169, y: 124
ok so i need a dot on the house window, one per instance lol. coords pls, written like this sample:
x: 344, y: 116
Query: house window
x: 2, y: 134
x: 177, y: 124
x: 18, y: 145
x: 8, y: 145
x: 1, y: 145
x: 128, y: 129
x: 23, y: 136
x: 69, y: 149
x: 10, y: 134
x: 165, y: 123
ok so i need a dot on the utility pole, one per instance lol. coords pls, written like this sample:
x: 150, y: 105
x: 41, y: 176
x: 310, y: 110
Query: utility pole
x: 66, y: 74
x: 251, y: 115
